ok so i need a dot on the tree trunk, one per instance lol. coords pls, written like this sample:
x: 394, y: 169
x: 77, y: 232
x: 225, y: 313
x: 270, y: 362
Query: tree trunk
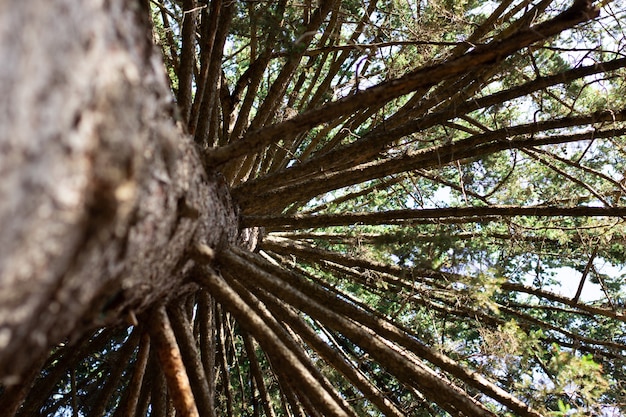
x: 102, y: 195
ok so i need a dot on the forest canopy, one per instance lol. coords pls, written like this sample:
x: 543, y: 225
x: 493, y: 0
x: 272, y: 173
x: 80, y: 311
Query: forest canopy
x: 430, y: 199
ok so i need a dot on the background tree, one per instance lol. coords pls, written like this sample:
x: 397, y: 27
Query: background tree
x: 312, y: 208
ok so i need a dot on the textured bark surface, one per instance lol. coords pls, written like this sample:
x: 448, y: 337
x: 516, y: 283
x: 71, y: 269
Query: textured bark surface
x: 101, y: 194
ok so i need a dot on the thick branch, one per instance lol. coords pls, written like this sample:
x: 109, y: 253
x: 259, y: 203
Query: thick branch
x: 209, y: 28
x: 138, y: 381
x: 331, y: 355
x: 279, y: 198
x: 171, y: 362
x: 191, y: 358
x: 187, y: 52
x: 580, y: 11
x: 292, y: 289
x: 405, y: 216
x: 371, y: 144
x: 255, y: 368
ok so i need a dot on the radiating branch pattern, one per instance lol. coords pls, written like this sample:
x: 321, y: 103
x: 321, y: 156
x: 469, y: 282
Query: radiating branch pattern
x: 416, y: 185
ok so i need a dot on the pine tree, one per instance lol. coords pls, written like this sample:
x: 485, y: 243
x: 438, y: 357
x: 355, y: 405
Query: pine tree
x: 321, y: 208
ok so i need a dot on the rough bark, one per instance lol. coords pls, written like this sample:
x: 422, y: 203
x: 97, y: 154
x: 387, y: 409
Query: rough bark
x: 101, y: 193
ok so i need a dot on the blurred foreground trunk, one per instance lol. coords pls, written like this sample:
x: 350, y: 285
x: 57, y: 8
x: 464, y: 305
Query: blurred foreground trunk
x: 101, y: 194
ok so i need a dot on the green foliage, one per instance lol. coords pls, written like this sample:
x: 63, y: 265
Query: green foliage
x: 578, y: 382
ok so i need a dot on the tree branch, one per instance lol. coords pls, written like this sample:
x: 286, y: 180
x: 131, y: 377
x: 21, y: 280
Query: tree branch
x: 172, y: 365
x: 292, y: 288
x: 191, y: 358
x: 281, y: 355
x: 187, y: 54
x: 405, y: 216
x: 368, y: 146
x: 581, y: 11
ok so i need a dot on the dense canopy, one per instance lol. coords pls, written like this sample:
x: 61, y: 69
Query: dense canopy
x: 431, y: 199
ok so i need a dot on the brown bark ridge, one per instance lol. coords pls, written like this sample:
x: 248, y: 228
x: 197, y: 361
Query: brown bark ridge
x: 101, y: 194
